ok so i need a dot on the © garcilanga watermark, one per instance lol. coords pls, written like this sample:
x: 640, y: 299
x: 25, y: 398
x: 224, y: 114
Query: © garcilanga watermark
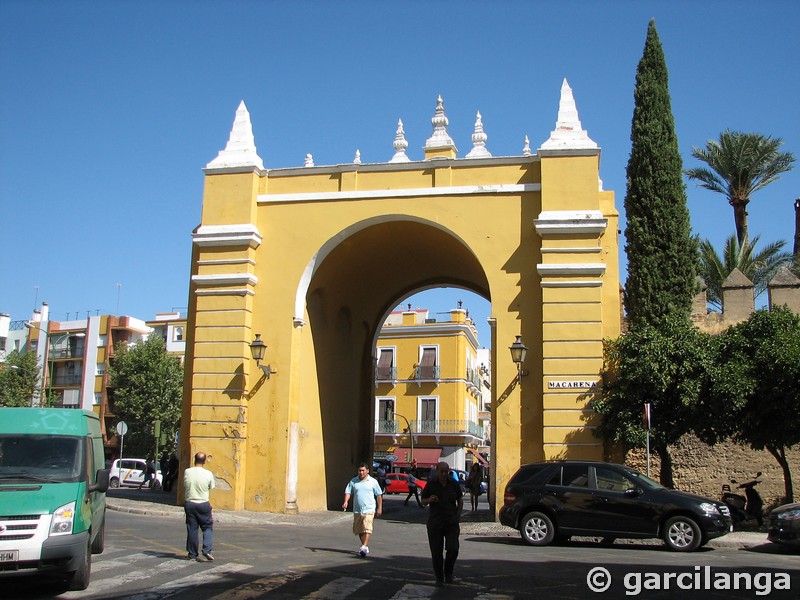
x: 599, y: 580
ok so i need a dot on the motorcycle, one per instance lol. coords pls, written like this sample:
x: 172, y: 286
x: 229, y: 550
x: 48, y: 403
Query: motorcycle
x: 749, y: 506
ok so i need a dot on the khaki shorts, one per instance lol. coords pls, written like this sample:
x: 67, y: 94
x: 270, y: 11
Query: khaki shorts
x: 362, y: 523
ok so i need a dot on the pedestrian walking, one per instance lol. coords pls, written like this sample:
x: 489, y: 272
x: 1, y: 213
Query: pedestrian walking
x: 473, y: 484
x: 197, y: 485
x: 367, y: 504
x: 444, y: 497
x: 149, y: 474
x: 413, y: 490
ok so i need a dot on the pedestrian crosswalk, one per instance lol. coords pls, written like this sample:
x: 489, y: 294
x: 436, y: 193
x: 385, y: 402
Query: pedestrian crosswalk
x: 154, y: 576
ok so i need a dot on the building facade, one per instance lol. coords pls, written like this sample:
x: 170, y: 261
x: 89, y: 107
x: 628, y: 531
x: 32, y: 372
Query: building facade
x: 430, y: 388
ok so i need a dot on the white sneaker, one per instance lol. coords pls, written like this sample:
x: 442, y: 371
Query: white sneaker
x: 363, y: 551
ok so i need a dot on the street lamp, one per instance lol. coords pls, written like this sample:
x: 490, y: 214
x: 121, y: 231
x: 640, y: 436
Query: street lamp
x: 257, y: 349
x: 518, y: 352
x: 411, y: 435
x: 51, y: 344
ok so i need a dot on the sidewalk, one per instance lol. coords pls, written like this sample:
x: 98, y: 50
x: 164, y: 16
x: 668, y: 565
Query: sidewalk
x: 161, y: 504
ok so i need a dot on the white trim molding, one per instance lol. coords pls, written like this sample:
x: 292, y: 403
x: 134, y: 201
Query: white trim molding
x: 596, y: 269
x: 225, y: 279
x: 462, y: 190
x: 551, y: 222
x: 244, y: 234
x: 228, y: 292
x: 567, y: 284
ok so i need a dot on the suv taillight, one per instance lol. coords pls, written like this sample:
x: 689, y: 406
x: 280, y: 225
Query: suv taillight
x: 509, y: 498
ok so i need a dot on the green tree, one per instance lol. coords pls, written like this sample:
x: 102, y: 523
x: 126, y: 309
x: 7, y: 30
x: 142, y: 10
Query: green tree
x: 738, y: 165
x: 761, y: 383
x: 663, y: 366
x: 758, y: 266
x: 19, y: 379
x: 662, y: 253
x: 147, y: 385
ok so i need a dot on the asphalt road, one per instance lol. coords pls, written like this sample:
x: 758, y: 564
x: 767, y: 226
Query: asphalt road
x: 144, y: 560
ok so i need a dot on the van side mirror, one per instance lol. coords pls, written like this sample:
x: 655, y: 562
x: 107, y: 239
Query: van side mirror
x: 101, y: 485
x: 633, y: 492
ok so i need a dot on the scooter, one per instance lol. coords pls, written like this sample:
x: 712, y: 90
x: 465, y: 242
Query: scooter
x: 749, y: 506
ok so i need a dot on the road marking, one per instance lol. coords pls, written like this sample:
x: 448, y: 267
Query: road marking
x: 191, y: 581
x: 119, y: 563
x: 257, y: 588
x: 338, y: 589
x: 412, y: 591
x: 116, y: 582
x: 487, y: 596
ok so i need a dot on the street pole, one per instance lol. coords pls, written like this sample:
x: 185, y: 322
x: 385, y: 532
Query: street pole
x: 410, y: 435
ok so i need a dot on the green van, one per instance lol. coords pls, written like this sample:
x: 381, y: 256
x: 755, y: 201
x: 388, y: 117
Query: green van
x: 52, y: 493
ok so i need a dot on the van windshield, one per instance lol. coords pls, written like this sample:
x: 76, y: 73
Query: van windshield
x: 40, y: 458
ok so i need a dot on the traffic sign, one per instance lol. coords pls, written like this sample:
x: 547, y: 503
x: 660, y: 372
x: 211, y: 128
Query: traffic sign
x: 122, y: 428
x: 391, y: 457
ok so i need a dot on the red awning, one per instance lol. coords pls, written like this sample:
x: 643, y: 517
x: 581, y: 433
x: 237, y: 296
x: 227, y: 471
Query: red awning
x: 425, y: 457
x: 483, y: 462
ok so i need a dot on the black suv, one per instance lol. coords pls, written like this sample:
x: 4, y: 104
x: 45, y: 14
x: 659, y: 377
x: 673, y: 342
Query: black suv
x: 556, y: 500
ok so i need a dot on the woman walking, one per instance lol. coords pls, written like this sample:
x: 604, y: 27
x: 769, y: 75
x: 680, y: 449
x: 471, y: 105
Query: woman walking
x: 473, y: 484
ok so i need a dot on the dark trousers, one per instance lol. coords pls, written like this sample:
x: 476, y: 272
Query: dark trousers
x: 443, y: 537
x: 198, y: 516
x: 413, y: 492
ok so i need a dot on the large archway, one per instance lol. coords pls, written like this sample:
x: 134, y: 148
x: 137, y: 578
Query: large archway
x: 312, y: 259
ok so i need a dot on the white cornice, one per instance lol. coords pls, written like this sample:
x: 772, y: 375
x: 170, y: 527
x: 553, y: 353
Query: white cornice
x: 462, y: 190
x: 225, y: 279
x: 596, y: 269
x: 244, y: 234
x: 229, y: 292
x: 551, y: 222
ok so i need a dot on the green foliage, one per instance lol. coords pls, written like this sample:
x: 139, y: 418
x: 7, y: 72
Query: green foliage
x: 662, y: 253
x: 738, y: 165
x: 19, y: 379
x: 148, y: 385
x: 759, y: 267
x: 663, y: 366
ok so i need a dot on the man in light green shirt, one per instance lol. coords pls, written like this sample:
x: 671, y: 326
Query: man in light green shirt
x: 197, y: 483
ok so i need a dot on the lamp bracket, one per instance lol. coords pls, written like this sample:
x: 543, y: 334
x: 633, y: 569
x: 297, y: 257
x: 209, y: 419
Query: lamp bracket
x: 267, y: 370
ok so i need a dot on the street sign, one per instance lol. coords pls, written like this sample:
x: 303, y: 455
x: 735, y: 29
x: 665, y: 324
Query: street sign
x: 122, y: 428
x: 391, y: 457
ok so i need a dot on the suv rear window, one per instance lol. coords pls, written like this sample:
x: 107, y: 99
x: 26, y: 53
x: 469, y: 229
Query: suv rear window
x: 528, y: 473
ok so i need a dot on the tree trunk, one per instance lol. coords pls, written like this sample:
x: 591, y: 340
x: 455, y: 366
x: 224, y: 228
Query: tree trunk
x: 740, y: 220
x: 780, y: 456
x: 666, y: 467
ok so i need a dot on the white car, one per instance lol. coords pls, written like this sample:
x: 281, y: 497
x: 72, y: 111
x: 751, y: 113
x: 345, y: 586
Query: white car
x: 130, y: 472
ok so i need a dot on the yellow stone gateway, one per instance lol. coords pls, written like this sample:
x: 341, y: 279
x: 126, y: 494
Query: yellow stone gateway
x: 314, y: 258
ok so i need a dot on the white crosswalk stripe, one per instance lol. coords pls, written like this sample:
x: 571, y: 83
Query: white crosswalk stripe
x: 121, y: 563
x: 258, y: 588
x: 339, y: 589
x: 413, y: 591
x: 191, y: 581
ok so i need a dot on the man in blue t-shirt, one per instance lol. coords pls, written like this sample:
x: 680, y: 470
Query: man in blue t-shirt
x: 367, y: 504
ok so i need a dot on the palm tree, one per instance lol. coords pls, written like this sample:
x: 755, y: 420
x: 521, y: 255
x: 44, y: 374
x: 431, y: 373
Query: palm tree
x: 740, y: 164
x: 758, y: 267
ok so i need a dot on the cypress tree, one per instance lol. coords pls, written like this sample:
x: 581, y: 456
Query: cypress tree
x: 662, y: 253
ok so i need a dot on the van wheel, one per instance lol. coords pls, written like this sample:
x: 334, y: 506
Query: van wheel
x: 682, y: 534
x: 537, y: 529
x: 114, y: 483
x: 79, y: 580
x: 99, y: 542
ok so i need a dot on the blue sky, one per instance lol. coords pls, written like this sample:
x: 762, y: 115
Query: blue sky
x: 109, y: 111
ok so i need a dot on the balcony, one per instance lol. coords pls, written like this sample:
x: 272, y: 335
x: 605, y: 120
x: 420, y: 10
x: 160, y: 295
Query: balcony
x: 446, y: 427
x: 57, y: 353
x: 385, y: 374
x: 426, y: 373
x: 66, y: 380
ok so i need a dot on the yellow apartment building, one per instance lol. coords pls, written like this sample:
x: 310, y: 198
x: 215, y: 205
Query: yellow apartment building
x: 429, y: 390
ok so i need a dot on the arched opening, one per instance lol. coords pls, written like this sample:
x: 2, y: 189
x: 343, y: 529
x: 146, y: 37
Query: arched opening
x: 351, y: 291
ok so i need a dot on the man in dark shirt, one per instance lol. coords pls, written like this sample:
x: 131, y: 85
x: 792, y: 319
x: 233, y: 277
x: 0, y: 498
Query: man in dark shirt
x: 444, y: 497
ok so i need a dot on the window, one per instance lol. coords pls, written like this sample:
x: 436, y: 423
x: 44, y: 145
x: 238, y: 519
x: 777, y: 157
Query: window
x: 177, y: 334
x: 426, y: 422
x: 385, y: 416
x: 576, y: 475
x: 386, y: 369
x: 101, y: 368
x: 611, y: 480
x: 428, y: 364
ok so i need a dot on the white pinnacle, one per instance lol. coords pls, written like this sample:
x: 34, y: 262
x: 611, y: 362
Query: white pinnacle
x: 309, y: 161
x: 479, y: 141
x: 400, y: 144
x: 357, y: 159
x: 439, y: 138
x: 526, y: 149
x: 241, y: 148
x: 568, y: 134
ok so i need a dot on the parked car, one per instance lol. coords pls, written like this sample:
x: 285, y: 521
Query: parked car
x: 555, y: 500
x: 462, y: 481
x: 784, y: 525
x: 131, y: 472
x: 397, y: 483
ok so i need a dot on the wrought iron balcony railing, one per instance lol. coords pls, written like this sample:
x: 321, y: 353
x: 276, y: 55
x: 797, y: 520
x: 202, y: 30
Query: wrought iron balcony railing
x: 445, y: 426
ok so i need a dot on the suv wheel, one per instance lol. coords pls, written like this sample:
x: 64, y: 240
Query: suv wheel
x: 682, y: 534
x: 537, y: 529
